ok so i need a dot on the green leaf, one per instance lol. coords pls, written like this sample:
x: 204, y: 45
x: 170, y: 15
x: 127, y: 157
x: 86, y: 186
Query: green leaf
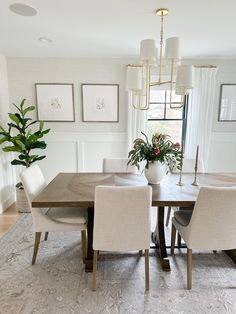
x: 18, y: 162
x: 22, y: 156
x: 20, y: 144
x: 41, y: 125
x: 30, y: 108
x: 39, y: 144
x: 40, y: 157
x: 11, y: 149
x: 3, y: 139
x: 14, y: 118
x: 22, y: 103
x: 46, y: 131
x: 16, y: 107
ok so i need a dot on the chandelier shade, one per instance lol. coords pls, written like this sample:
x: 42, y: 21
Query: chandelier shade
x: 184, y: 79
x: 134, y: 78
x: 172, y: 52
x: 148, y: 51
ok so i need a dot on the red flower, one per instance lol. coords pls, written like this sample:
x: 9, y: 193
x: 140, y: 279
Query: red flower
x: 177, y: 145
x: 156, y: 150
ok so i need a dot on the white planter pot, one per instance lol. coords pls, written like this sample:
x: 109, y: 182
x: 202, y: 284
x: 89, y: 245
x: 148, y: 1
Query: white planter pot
x: 22, y: 202
x: 155, y: 172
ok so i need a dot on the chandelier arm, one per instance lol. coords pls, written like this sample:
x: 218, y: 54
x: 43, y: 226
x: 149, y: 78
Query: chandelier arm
x: 161, y: 47
x: 137, y: 104
x: 148, y: 78
x: 159, y: 83
x: 171, y: 79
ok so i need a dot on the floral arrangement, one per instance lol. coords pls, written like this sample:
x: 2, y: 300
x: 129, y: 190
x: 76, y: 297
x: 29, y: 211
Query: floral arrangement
x: 160, y: 148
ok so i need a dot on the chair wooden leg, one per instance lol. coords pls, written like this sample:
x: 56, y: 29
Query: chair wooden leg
x: 189, y: 268
x: 179, y: 239
x: 84, y: 244
x: 36, y: 246
x: 168, y: 216
x: 95, y: 257
x: 46, y: 236
x: 173, y: 237
x: 147, y: 270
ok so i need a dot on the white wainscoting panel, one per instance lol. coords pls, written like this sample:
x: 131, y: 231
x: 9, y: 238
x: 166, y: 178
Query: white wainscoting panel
x: 80, y: 152
x: 223, y: 152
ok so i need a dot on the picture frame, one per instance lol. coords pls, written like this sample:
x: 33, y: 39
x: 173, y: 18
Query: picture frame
x: 100, y: 102
x: 227, y: 103
x: 55, y: 102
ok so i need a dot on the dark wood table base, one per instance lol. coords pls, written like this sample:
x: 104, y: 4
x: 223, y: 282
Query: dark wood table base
x: 89, y: 259
x: 158, y: 237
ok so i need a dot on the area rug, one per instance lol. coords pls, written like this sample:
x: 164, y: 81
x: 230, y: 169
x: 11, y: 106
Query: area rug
x: 58, y: 283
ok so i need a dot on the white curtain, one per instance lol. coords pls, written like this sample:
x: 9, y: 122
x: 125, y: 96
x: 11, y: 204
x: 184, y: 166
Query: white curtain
x: 200, y: 114
x: 137, y: 122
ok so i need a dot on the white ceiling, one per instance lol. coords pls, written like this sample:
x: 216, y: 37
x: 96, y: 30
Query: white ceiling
x: 114, y: 28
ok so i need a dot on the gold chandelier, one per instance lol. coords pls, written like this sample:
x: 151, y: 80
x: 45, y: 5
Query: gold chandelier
x: 138, y: 79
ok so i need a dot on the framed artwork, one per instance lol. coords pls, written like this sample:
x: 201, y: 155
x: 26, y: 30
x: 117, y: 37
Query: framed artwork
x: 227, y: 106
x: 55, y: 102
x: 100, y: 102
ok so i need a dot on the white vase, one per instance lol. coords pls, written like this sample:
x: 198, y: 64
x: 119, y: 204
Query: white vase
x: 155, y: 173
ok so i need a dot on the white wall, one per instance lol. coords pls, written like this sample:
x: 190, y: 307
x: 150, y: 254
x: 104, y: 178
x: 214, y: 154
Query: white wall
x: 80, y: 146
x: 7, y: 194
x: 74, y: 146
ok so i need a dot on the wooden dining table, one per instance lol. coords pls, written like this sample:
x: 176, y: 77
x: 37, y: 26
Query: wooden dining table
x: 78, y: 190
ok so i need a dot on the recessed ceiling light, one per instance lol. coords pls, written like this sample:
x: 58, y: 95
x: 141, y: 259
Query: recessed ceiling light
x: 22, y: 9
x: 45, y: 40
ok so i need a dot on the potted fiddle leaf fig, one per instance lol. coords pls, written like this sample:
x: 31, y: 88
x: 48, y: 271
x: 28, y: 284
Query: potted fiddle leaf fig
x: 19, y: 138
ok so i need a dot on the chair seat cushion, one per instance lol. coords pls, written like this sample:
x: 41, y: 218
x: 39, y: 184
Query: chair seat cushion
x: 68, y: 215
x: 183, y: 217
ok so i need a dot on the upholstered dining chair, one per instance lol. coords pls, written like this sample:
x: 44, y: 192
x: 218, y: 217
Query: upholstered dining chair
x: 210, y: 226
x: 52, y: 219
x: 122, y: 222
x: 188, y: 166
x: 117, y: 165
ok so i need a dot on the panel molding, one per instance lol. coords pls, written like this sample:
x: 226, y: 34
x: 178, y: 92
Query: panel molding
x: 83, y: 141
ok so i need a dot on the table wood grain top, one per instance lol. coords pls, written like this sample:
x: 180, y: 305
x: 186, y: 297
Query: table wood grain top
x: 77, y: 189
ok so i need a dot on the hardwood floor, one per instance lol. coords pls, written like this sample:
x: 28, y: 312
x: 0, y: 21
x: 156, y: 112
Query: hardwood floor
x: 8, y: 218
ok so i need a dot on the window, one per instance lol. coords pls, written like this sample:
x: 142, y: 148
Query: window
x: 163, y: 119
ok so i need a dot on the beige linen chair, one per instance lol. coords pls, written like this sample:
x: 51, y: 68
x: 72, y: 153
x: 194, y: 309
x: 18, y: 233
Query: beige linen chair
x: 211, y: 225
x: 122, y: 222
x: 117, y: 165
x: 188, y: 166
x: 53, y: 219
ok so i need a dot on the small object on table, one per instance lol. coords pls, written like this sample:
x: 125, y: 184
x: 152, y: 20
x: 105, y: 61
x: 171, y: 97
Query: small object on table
x: 195, y: 168
x: 180, y: 183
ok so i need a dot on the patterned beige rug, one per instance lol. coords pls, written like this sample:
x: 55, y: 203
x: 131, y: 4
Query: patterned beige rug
x: 58, y: 283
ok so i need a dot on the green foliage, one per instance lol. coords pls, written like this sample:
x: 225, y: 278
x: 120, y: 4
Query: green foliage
x: 21, y: 139
x: 160, y: 148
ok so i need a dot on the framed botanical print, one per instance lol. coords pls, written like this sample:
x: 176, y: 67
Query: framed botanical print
x: 100, y: 102
x: 55, y: 102
x: 227, y: 106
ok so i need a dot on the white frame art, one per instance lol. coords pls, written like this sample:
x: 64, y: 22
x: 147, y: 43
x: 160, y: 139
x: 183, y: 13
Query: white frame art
x: 100, y: 102
x: 55, y: 102
x: 227, y: 106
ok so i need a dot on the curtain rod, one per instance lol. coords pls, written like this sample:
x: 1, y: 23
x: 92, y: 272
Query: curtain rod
x: 205, y: 66
x: 195, y: 66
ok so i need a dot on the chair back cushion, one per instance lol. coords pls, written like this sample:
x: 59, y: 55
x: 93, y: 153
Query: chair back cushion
x: 117, y: 165
x: 122, y: 218
x: 213, y: 222
x: 33, y: 181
